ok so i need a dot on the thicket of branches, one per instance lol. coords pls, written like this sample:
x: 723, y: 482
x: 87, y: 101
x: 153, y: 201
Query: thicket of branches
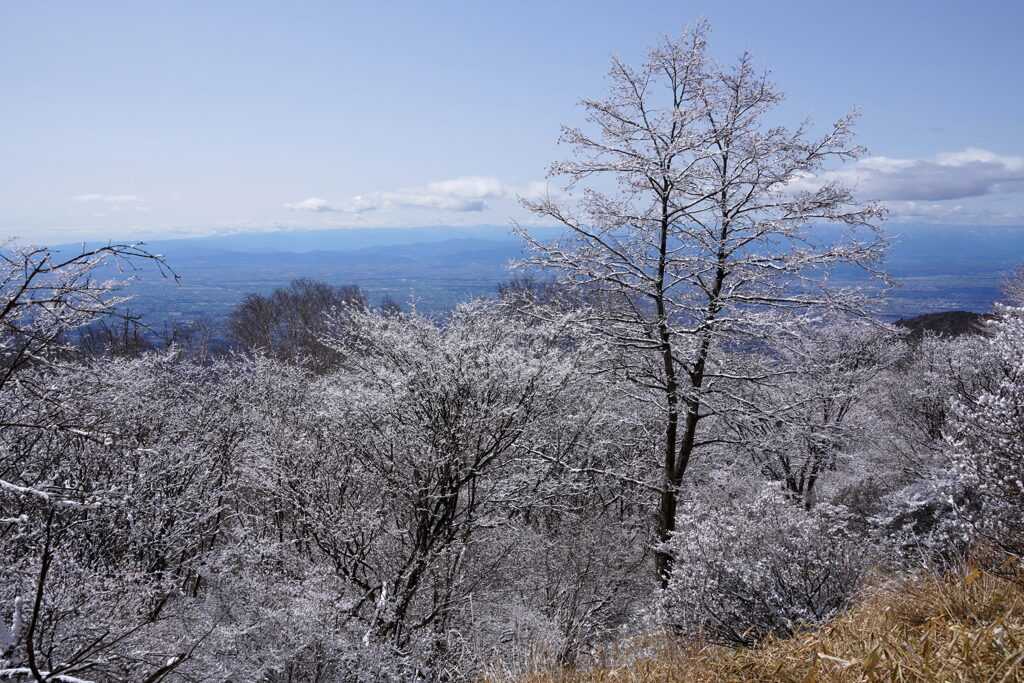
x: 683, y: 425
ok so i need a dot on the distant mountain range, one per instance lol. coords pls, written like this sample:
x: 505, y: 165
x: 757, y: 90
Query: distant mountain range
x: 339, y: 240
x: 941, y: 268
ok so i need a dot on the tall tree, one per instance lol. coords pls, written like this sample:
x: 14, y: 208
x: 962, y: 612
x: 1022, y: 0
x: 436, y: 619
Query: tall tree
x: 701, y: 219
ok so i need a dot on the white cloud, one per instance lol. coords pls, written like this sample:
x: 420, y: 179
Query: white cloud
x: 477, y: 187
x: 971, y: 212
x: 971, y: 172
x: 108, y: 198
x: 973, y: 155
x: 912, y: 210
x: 411, y: 199
x: 312, y: 204
x: 468, y: 194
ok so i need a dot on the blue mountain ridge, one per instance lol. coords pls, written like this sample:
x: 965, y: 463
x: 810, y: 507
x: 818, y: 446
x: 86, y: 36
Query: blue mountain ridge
x: 940, y: 267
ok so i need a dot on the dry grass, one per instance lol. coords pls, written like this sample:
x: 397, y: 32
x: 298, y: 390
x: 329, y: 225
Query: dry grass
x: 967, y: 626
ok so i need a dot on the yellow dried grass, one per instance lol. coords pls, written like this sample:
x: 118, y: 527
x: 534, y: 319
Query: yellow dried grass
x: 964, y: 626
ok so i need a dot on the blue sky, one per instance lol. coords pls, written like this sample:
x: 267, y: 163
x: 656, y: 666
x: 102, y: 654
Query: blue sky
x: 146, y: 119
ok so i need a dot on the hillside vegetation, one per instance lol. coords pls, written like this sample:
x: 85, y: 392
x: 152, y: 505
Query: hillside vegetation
x: 964, y: 625
x: 685, y: 425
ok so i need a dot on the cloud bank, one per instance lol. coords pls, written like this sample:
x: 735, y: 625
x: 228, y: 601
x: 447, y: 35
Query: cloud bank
x: 971, y: 172
x: 469, y: 194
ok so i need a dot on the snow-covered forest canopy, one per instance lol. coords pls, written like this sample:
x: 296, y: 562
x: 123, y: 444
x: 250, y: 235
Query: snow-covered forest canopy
x: 675, y: 418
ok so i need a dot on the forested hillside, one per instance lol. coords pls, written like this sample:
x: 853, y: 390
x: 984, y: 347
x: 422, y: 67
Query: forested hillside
x: 673, y: 424
x: 438, y: 499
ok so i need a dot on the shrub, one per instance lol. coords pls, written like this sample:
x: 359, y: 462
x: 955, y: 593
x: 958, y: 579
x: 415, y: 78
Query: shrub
x: 762, y: 566
x: 987, y: 435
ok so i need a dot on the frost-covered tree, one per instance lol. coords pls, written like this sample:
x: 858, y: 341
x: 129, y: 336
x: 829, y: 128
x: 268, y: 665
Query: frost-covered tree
x: 754, y: 564
x: 987, y: 434
x: 812, y: 414
x: 438, y: 501
x: 120, y: 518
x: 46, y: 294
x: 448, y: 442
x: 1013, y: 287
x: 914, y: 411
x: 699, y: 217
